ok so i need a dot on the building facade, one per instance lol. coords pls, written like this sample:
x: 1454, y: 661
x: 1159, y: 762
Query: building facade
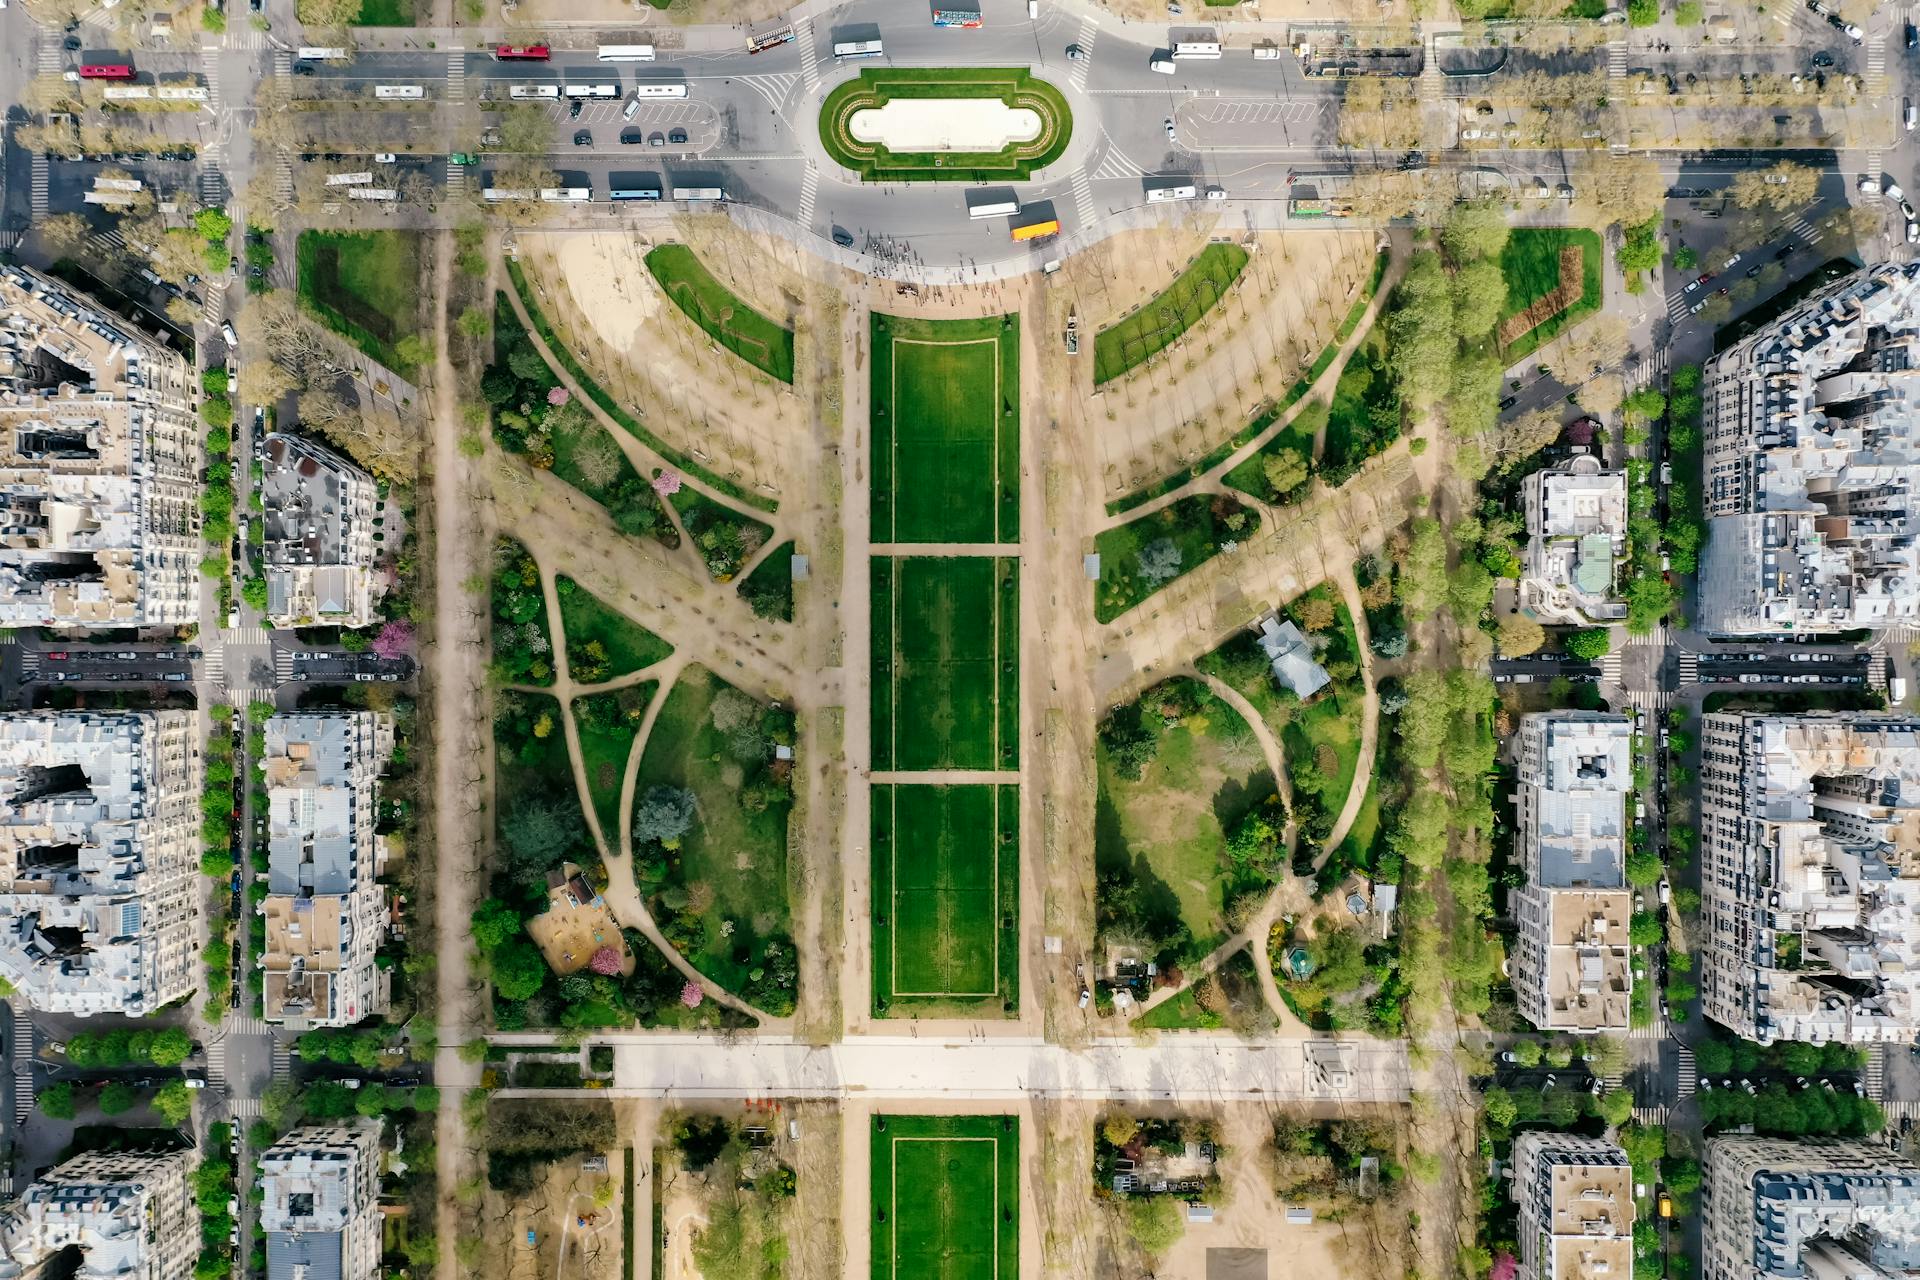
x: 131, y: 1215
x: 100, y: 457
x: 1810, y: 876
x: 1816, y: 1209
x: 1811, y: 427
x: 1575, y: 1197
x: 319, y: 549
x: 1571, y: 964
x: 325, y: 909
x: 1576, y: 540
x: 100, y: 859
x: 321, y: 1213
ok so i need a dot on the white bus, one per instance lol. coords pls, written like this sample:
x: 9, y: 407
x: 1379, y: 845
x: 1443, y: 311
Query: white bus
x: 127, y: 92
x: 659, y: 91
x: 108, y: 198
x: 408, y: 91
x: 547, y: 91
x: 566, y: 195
x: 507, y: 193
x: 181, y: 93
x: 699, y: 193
x: 856, y: 49
x: 994, y: 209
x: 634, y: 193
x: 320, y: 53
x: 592, y: 91
x: 373, y: 193
x: 1196, y: 48
x: 117, y: 184
x: 1182, y: 191
x: 626, y: 53
x: 349, y: 179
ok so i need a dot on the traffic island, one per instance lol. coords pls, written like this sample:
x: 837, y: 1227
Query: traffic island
x: 945, y: 124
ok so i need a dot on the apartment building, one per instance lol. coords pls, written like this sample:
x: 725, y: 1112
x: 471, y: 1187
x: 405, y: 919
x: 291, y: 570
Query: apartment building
x: 1810, y: 876
x: 321, y: 1215
x: 1571, y: 966
x: 100, y: 457
x: 1811, y: 427
x: 1575, y: 1197
x: 1576, y: 541
x: 319, y: 550
x: 100, y: 859
x: 325, y: 910
x: 1815, y: 1209
x: 130, y: 1216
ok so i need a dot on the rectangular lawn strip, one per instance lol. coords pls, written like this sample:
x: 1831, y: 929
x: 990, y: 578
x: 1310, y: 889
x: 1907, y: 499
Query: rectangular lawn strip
x: 613, y: 408
x: 936, y: 659
x: 1159, y: 323
x: 385, y: 13
x: 607, y: 724
x: 737, y: 853
x: 730, y: 322
x: 1531, y: 265
x: 1264, y: 419
x: 625, y: 644
x: 946, y: 1197
x: 365, y: 286
x: 946, y: 429
x: 768, y: 589
x: 1007, y: 663
x: 1193, y: 528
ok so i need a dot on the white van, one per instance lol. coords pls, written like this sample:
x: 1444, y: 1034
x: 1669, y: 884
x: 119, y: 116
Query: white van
x: 1161, y: 63
x: 633, y: 106
x: 1912, y: 117
x: 226, y: 331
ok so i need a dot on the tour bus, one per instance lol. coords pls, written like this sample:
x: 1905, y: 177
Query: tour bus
x: 110, y: 199
x: 1196, y: 48
x: 118, y: 184
x: 373, y: 193
x: 349, y: 179
x: 321, y: 53
x: 181, y: 93
x: 521, y: 53
x: 770, y: 36
x: 956, y: 18
x: 106, y: 71
x: 626, y: 53
x: 1037, y: 230
x: 126, y: 92
x: 507, y: 193
x: 634, y: 193
x: 856, y: 49
x: 548, y: 91
x: 592, y: 91
x: 994, y: 209
x: 1176, y: 191
x: 408, y: 91
x: 699, y: 193
x: 566, y: 195
x: 659, y: 91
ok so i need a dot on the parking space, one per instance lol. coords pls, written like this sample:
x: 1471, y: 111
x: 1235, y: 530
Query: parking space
x: 1253, y: 124
x: 337, y: 666
x: 96, y: 665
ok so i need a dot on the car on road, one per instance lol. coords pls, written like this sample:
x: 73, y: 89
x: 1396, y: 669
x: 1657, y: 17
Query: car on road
x: 1508, y: 403
x: 1785, y: 251
x: 71, y: 44
x: 583, y: 138
x: 1691, y: 286
x: 1699, y: 306
x: 1913, y: 40
x: 1822, y: 59
x: 226, y: 331
x: 1906, y: 106
x: 1170, y: 132
x: 1074, y: 53
x: 575, y: 107
x: 1730, y: 263
x: 1894, y: 192
x: 677, y: 137
x: 303, y: 68
x: 1906, y: 210
x: 1913, y: 233
x: 1753, y: 271
x: 843, y: 237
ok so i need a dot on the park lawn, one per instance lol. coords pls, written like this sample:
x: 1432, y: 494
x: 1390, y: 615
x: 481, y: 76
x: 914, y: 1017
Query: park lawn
x: 946, y: 1197
x: 1169, y: 828
x: 386, y: 13
x: 755, y: 338
x: 365, y: 286
x: 605, y: 748
x: 586, y: 618
x: 1365, y: 387
x: 1159, y: 323
x: 946, y: 896
x: 1192, y: 526
x: 874, y: 87
x: 1239, y: 981
x: 946, y: 430
x: 940, y: 634
x: 740, y: 855
x: 1531, y: 265
x: 1297, y: 438
x: 772, y: 582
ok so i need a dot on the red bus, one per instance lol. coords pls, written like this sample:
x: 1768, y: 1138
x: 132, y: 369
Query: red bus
x: 107, y: 71
x: 521, y: 53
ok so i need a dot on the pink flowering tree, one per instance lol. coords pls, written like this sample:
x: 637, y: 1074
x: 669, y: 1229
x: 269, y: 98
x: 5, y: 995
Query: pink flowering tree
x: 692, y: 996
x: 667, y: 483
x: 606, y: 960
x: 1504, y: 1267
x: 558, y: 396
x: 394, y: 641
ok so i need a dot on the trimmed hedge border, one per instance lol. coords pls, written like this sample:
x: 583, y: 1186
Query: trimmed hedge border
x: 1247, y: 434
x: 613, y: 408
x: 876, y: 86
x: 676, y: 267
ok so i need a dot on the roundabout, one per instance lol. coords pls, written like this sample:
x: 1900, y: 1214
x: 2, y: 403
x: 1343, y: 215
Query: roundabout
x: 958, y: 124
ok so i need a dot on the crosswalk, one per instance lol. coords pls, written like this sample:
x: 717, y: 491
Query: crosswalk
x: 1083, y: 197
x: 1686, y: 1076
x: 1876, y: 76
x: 38, y: 175
x: 282, y: 162
x: 1610, y: 669
x: 774, y: 87
x: 247, y: 38
x: 23, y: 1051
x: 214, y: 665
x: 244, y: 1108
x: 282, y: 1060
x: 1875, y: 1075
x: 244, y: 635
x: 1432, y: 84
x: 456, y: 78
x: 1078, y: 76
x: 1877, y: 669
x: 1114, y: 163
x: 1617, y: 59
x: 246, y: 1024
x: 808, y: 40
x: 1689, y: 668
x: 809, y: 192
x: 217, y: 1064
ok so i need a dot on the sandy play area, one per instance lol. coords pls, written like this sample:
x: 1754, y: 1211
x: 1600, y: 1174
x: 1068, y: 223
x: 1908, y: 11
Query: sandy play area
x: 945, y: 124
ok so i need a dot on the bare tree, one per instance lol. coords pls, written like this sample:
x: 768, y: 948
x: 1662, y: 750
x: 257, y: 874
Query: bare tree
x: 64, y: 232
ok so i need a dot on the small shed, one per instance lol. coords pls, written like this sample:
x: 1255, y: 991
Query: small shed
x: 1299, y: 1217
x: 1199, y: 1213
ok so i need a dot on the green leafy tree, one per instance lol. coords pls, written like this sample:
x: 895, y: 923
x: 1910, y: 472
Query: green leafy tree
x: 1589, y: 645
x: 117, y: 1099
x: 173, y: 1102
x: 1154, y: 1222
x: 56, y: 1100
x: 170, y: 1047
x: 493, y: 923
x: 518, y: 969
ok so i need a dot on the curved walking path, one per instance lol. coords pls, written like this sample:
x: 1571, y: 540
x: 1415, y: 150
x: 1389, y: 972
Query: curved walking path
x: 1369, y: 718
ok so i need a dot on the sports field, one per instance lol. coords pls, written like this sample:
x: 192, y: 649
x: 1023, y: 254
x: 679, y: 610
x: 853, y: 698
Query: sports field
x: 946, y: 1197
x: 946, y: 430
x: 943, y: 627
x: 946, y: 896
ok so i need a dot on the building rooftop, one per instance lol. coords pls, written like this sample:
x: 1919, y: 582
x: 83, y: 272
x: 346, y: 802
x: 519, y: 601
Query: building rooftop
x: 1589, y: 976
x: 1576, y: 771
x: 1291, y: 658
x: 1577, y: 535
x: 318, y: 510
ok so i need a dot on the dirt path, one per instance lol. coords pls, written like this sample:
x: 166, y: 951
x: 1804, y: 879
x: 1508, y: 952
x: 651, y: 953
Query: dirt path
x: 1369, y: 718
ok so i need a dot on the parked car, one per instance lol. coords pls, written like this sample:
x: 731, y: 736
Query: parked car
x: 584, y: 138
x: 678, y: 137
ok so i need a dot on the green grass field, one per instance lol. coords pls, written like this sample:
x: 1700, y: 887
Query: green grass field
x: 768, y: 589
x: 365, y: 286
x: 625, y: 644
x: 1190, y: 524
x: 946, y: 896
x: 733, y: 324
x: 385, y: 13
x: 940, y: 636
x: 1159, y: 323
x: 876, y: 86
x: 1296, y: 437
x: 607, y: 724
x: 946, y: 430
x: 1531, y: 265
x: 946, y: 1197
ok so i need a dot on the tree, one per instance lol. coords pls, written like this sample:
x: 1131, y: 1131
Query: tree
x: 327, y: 13
x: 538, y: 832
x: 475, y: 323
x: 117, y: 1099
x: 171, y: 1046
x: 1784, y: 186
x: 173, y: 1102
x: 1285, y: 471
x: 1615, y: 1106
x: 1119, y: 1129
x: 493, y: 923
x: 1479, y: 295
x: 412, y: 351
x: 664, y: 814
x: 1314, y: 613
x: 1421, y: 324
x: 525, y: 129
x: 1475, y: 229
x: 1644, y: 930
x: 1590, y: 645
x: 1160, y: 561
x: 1624, y: 189
x: 64, y: 232
x: 518, y: 970
x: 56, y: 1100
x: 1520, y: 635
x: 1154, y: 1222
x: 1526, y: 1053
x: 1500, y: 1108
